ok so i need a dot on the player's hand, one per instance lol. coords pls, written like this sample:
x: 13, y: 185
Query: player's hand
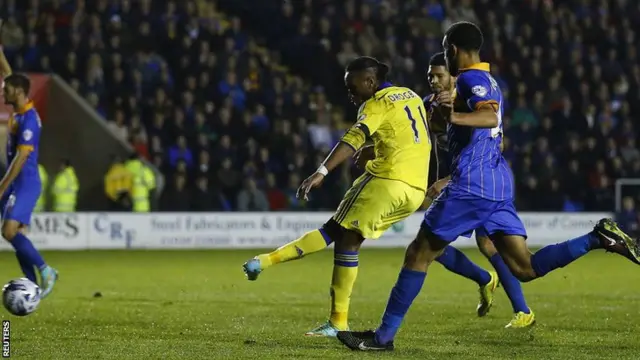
x: 309, y: 183
x: 437, y: 187
x: 444, y: 99
x: 363, y: 155
x: 445, y: 104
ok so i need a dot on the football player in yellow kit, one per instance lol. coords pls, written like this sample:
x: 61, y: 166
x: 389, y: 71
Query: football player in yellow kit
x: 392, y: 187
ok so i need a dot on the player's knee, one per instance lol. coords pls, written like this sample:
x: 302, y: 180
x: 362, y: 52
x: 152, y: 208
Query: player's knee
x: 486, y: 246
x: 9, y: 232
x: 423, y: 250
x: 523, y: 274
x: 416, y: 250
x: 521, y: 269
x: 349, y: 241
x: 343, y: 239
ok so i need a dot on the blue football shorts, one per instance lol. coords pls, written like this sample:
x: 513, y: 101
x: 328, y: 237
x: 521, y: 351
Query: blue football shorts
x: 18, y: 205
x: 456, y: 213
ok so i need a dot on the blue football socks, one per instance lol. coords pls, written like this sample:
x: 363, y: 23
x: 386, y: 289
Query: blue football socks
x: 560, y: 255
x: 27, y: 252
x: 404, y: 292
x: 457, y: 262
x: 27, y: 269
x: 510, y: 284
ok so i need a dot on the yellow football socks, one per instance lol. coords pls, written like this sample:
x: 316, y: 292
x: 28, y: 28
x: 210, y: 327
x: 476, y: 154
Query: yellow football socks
x: 345, y: 272
x: 307, y: 244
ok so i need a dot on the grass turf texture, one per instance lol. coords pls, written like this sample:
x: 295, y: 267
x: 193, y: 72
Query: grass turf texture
x: 198, y: 305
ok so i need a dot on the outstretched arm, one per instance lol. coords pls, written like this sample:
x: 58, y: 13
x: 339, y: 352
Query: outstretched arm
x: 341, y: 152
x: 354, y: 139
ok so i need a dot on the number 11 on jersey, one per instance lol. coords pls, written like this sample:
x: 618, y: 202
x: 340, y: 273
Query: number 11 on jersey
x: 416, y: 135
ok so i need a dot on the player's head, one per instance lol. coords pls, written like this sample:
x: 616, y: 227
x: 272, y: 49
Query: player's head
x: 461, y: 42
x: 363, y: 77
x: 15, y: 88
x: 438, y: 75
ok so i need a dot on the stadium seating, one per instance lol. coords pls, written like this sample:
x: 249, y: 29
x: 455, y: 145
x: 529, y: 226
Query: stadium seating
x: 207, y: 96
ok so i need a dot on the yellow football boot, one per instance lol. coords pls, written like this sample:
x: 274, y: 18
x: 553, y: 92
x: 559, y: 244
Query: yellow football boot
x: 486, y: 294
x: 522, y: 320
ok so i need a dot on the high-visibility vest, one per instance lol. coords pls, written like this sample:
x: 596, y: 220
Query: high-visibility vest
x: 118, y: 180
x: 44, y: 179
x: 65, y: 191
x: 143, y: 182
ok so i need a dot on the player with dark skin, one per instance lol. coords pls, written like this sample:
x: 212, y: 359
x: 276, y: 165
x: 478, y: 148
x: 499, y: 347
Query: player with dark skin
x: 376, y: 200
x: 362, y: 85
x: 425, y: 249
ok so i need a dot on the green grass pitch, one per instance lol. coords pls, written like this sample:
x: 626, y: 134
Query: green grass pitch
x: 198, y: 305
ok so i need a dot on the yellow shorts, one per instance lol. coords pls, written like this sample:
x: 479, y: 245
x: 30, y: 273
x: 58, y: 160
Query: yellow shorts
x: 373, y: 204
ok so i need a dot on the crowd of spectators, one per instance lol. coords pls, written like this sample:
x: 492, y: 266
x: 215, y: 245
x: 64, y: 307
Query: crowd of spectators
x: 208, y: 99
x: 193, y: 93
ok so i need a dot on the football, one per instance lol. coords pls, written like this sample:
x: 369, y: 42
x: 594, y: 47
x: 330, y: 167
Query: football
x: 21, y: 297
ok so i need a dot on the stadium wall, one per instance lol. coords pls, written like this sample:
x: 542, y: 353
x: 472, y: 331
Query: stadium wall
x: 82, y: 231
x: 76, y: 132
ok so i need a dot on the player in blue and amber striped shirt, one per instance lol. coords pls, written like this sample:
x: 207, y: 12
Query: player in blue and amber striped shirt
x: 455, y: 260
x: 479, y: 195
x: 21, y: 186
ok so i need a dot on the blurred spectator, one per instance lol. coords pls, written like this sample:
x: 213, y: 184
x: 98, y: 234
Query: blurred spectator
x: 180, y: 151
x: 250, y: 198
x: 177, y: 197
x: 64, y: 190
x: 13, y: 37
x: 205, y: 198
x: 228, y: 179
x: 144, y: 183
x: 119, y: 126
x: 276, y: 197
x: 293, y: 203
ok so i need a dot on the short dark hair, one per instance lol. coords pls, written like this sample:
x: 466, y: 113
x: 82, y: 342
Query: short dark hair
x: 437, y: 60
x: 465, y: 36
x: 20, y: 81
x: 367, y: 62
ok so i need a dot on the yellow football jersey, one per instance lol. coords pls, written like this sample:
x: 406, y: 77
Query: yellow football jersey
x: 396, y: 121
